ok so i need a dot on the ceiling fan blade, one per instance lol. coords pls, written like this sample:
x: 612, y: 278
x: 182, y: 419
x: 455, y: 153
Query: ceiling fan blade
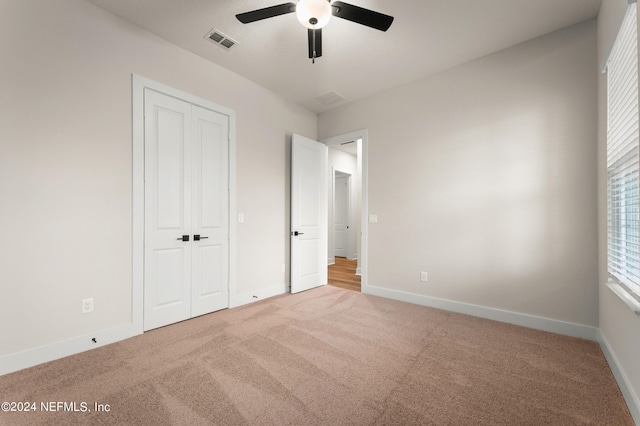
x: 267, y: 12
x: 362, y: 16
x: 315, y: 43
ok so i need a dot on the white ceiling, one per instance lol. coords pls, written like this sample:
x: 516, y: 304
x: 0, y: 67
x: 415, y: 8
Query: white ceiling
x: 427, y: 36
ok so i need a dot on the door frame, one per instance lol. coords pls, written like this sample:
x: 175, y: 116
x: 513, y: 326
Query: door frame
x: 363, y: 162
x: 138, y: 85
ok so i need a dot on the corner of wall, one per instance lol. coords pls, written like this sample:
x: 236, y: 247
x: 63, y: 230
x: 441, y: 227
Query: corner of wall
x: 630, y: 397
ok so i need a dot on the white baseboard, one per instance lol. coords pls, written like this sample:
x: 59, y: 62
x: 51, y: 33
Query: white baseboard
x: 359, y: 271
x: 331, y: 261
x: 243, y: 299
x: 525, y: 320
x: 630, y: 397
x: 42, y: 354
x: 32, y: 357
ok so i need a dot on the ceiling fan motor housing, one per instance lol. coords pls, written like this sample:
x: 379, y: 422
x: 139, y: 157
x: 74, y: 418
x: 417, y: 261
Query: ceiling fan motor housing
x: 313, y: 14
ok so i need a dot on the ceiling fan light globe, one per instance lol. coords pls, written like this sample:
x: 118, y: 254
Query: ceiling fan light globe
x: 318, y: 11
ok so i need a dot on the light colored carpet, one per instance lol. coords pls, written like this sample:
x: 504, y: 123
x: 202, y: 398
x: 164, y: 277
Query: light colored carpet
x: 329, y: 357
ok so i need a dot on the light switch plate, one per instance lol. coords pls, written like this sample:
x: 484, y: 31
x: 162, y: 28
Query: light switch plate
x: 87, y: 305
x: 373, y: 218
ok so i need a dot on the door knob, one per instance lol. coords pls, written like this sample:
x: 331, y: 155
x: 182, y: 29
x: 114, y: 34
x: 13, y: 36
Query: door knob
x: 183, y: 238
x: 296, y: 233
x: 198, y: 238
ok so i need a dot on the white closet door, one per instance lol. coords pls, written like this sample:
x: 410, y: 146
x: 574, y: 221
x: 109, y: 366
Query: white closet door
x: 167, y: 269
x: 186, y: 210
x: 210, y: 213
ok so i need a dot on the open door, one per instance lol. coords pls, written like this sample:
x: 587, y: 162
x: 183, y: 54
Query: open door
x: 309, y: 205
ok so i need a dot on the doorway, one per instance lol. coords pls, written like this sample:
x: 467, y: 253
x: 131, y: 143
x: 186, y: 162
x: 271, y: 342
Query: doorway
x: 196, y: 142
x: 353, y: 267
x: 343, y: 265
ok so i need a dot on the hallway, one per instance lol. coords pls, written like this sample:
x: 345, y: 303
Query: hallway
x: 342, y: 274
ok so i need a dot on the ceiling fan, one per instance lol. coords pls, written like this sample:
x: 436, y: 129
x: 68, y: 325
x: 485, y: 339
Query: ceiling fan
x: 315, y: 14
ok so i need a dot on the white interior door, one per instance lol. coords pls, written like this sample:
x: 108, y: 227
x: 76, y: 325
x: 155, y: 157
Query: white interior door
x: 210, y: 212
x: 309, y: 211
x: 167, y: 267
x: 186, y: 265
x: 341, y: 216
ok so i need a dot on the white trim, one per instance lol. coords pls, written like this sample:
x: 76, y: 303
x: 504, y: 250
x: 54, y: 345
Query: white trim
x: 138, y: 85
x: 137, y: 202
x: 625, y: 296
x: 331, y: 213
x: 630, y: 397
x: 31, y: 357
x: 233, y: 212
x: 363, y: 135
x: 525, y: 320
x: 264, y: 293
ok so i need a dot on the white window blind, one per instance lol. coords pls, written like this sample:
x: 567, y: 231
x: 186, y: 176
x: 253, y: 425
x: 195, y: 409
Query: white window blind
x: 622, y: 156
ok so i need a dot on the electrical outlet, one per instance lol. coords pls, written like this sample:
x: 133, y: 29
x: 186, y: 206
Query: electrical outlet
x: 423, y: 277
x: 87, y: 305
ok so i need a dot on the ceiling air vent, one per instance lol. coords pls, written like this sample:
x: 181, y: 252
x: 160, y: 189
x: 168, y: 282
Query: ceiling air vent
x: 221, y: 39
x: 330, y: 98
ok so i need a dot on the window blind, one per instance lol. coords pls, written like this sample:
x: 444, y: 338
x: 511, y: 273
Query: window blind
x: 622, y: 156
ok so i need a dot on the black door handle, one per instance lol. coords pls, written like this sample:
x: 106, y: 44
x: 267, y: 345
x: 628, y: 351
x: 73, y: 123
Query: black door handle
x: 296, y: 233
x: 183, y: 238
x: 198, y: 238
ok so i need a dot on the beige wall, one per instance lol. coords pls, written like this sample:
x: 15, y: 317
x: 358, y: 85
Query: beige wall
x: 65, y: 166
x: 619, y: 326
x: 484, y: 176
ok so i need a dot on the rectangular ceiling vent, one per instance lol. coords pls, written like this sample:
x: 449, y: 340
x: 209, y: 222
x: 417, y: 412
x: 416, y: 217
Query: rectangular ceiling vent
x: 330, y: 98
x: 221, y: 39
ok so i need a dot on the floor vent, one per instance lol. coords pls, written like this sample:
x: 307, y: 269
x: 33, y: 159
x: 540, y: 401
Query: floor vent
x: 330, y: 98
x: 221, y: 39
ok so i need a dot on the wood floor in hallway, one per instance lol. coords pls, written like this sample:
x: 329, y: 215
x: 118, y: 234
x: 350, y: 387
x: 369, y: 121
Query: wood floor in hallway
x: 343, y: 274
